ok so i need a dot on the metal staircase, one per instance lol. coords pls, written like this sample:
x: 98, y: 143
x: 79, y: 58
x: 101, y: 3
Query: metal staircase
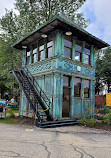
x: 35, y: 95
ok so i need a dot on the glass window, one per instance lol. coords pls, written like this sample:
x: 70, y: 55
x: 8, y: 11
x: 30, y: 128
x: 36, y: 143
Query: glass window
x: 34, y: 53
x: 41, y: 52
x: 86, y: 88
x: 68, y: 47
x: 77, y: 56
x: 27, y: 57
x: 77, y: 87
x: 87, y: 54
x: 49, y: 49
x: 78, y: 51
x: 67, y: 43
x: 66, y: 81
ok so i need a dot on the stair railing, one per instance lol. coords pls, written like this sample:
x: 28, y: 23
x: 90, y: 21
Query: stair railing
x: 37, y: 87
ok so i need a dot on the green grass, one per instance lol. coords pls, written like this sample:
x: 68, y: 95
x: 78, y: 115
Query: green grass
x: 10, y: 114
x: 8, y: 120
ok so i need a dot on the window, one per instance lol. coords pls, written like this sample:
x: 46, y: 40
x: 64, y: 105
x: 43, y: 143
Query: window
x: 78, y: 51
x: 34, y: 54
x: 27, y: 57
x: 41, y: 52
x: 68, y: 47
x: 86, y: 88
x: 49, y: 49
x: 77, y: 87
x: 66, y: 81
x: 87, y: 55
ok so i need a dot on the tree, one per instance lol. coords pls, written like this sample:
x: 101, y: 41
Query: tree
x: 103, y: 70
x: 31, y: 14
x: 106, y: 61
x: 99, y: 76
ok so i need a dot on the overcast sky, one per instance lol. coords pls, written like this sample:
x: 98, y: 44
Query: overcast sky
x: 97, y: 11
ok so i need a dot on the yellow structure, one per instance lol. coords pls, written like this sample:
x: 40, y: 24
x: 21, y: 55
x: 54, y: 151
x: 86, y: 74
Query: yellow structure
x: 108, y: 99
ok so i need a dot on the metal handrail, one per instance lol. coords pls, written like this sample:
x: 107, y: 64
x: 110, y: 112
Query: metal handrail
x: 35, y: 82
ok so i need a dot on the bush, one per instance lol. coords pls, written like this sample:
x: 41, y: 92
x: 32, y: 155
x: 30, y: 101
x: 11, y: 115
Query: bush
x: 10, y: 113
x: 108, y: 118
x: 87, y: 121
x: 83, y: 120
x: 91, y: 121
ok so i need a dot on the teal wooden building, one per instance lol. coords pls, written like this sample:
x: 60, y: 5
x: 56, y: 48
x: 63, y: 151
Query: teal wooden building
x: 58, y: 70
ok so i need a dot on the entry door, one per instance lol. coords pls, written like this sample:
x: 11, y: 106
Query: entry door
x: 66, y: 96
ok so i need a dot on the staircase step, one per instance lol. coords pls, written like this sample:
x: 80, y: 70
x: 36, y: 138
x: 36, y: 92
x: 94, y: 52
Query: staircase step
x: 51, y: 124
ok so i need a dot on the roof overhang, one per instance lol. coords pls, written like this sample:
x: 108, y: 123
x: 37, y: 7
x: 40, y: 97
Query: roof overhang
x: 63, y: 24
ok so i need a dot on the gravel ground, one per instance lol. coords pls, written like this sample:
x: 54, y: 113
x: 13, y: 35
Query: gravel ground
x: 77, y: 129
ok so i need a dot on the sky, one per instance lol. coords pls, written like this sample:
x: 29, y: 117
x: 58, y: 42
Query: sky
x: 97, y: 11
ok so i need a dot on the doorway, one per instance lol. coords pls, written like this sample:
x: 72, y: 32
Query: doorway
x: 66, y: 96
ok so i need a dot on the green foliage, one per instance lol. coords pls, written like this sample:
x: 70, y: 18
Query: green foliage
x: 7, y: 120
x: 31, y: 14
x: 87, y: 121
x: 103, y: 69
x: 108, y: 118
x: 91, y: 121
x: 83, y: 120
x: 10, y: 113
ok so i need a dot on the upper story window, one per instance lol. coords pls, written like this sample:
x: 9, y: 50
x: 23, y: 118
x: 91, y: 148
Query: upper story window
x: 34, y: 54
x: 86, y: 88
x: 49, y: 49
x: 87, y: 52
x: 77, y: 87
x: 66, y: 81
x: 78, y: 51
x: 41, y: 50
x: 27, y: 57
x: 68, y: 47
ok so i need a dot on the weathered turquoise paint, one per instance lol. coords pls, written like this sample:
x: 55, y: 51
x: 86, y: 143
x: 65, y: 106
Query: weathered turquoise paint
x: 92, y: 55
x: 72, y: 98
x: 30, y: 61
x: 49, y: 75
x: 94, y: 63
x: 73, y: 48
x: 24, y: 58
x: 37, y: 52
x: 83, y: 46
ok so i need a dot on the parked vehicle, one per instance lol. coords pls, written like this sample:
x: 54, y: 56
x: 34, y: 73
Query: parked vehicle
x: 3, y: 104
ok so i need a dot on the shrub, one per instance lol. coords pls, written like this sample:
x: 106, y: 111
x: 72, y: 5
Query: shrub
x: 87, y: 121
x: 83, y: 120
x: 108, y: 118
x: 91, y: 121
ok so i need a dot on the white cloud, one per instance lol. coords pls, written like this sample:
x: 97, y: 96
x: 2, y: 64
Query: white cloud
x: 101, y: 25
x: 8, y: 4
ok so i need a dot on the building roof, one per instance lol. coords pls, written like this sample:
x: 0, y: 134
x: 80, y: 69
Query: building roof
x: 64, y: 24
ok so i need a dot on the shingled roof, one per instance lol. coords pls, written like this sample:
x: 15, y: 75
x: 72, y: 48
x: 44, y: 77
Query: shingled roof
x: 64, y: 24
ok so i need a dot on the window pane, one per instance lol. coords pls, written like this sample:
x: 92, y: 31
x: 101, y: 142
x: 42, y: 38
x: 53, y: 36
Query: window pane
x: 49, y: 52
x: 67, y: 52
x: 41, y: 55
x: 35, y: 51
x: 67, y: 43
x: 41, y: 47
x: 78, y: 48
x: 28, y: 54
x: 49, y: 44
x: 86, y: 59
x: 77, y: 87
x: 27, y: 60
x: 34, y: 58
x: 66, y: 81
x: 86, y: 88
x: 87, y: 51
x: 77, y: 56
